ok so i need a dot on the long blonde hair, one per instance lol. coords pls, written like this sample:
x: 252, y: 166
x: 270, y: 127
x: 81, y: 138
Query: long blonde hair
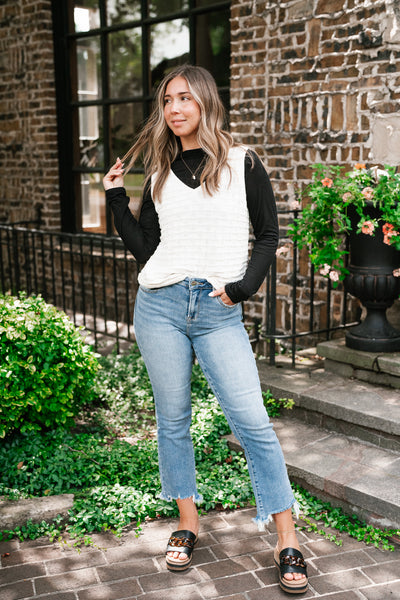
x: 159, y: 146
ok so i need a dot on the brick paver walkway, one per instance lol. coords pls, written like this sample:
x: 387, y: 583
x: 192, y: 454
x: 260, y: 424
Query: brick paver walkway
x: 233, y: 561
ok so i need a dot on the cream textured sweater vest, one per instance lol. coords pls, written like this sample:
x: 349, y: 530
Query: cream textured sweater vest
x: 202, y: 236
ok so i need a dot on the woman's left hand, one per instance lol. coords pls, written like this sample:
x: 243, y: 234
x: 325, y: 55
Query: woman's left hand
x: 224, y: 296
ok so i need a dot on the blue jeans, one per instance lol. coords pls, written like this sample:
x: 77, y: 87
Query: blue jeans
x: 170, y: 324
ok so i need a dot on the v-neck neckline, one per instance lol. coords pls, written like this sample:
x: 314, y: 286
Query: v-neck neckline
x: 185, y: 184
x: 191, y: 151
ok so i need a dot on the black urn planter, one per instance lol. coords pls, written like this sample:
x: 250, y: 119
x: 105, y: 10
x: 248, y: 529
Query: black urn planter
x: 371, y: 280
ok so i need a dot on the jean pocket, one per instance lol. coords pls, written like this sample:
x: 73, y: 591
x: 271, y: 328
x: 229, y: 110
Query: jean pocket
x: 149, y: 290
x: 223, y: 303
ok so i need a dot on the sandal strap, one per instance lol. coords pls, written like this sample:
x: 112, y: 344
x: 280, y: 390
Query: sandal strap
x: 182, y: 539
x: 291, y: 560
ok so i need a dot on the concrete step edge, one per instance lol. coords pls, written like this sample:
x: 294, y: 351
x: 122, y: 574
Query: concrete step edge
x: 357, y: 403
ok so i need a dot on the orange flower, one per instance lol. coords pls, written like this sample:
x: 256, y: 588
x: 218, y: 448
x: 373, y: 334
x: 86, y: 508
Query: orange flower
x: 359, y: 166
x: 387, y: 228
x: 327, y: 182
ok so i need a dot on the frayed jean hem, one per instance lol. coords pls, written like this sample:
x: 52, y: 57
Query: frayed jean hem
x: 262, y: 523
x: 197, y: 498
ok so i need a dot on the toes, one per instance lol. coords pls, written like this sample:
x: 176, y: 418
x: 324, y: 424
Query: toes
x: 179, y: 555
x: 296, y: 576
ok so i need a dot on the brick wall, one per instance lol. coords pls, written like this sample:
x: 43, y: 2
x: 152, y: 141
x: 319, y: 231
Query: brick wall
x: 28, y: 142
x: 314, y: 81
x: 311, y: 80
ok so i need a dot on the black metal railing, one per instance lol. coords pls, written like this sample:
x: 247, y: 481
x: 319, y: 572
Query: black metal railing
x: 91, y: 277
x: 319, y: 289
x: 94, y: 280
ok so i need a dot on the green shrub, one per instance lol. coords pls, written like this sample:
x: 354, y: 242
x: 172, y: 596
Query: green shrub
x: 46, y: 369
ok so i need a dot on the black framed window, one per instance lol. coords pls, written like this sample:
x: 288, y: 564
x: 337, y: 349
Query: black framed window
x: 110, y: 55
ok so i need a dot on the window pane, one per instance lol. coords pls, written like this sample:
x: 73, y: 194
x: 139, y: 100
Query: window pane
x: 158, y: 8
x: 86, y: 15
x: 213, y: 44
x: 93, y: 203
x: 89, y: 72
x: 121, y: 11
x: 169, y: 47
x: 125, y: 63
x: 125, y: 122
x: 205, y: 2
x: 90, y: 136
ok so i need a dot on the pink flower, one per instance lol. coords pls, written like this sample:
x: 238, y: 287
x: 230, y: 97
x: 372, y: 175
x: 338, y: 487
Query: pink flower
x: 334, y: 275
x: 368, y: 228
x: 396, y: 273
x: 327, y: 182
x: 347, y: 197
x: 325, y: 270
x: 368, y: 193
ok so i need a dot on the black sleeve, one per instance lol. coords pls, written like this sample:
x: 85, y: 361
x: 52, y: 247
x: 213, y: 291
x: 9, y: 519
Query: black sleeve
x: 140, y: 237
x: 263, y: 217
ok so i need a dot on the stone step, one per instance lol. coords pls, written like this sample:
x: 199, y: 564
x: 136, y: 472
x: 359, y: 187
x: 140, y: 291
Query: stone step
x: 355, y: 408
x: 360, y: 478
x: 341, y: 441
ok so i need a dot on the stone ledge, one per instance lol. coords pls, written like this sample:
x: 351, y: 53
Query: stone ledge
x: 382, y: 368
x: 14, y: 513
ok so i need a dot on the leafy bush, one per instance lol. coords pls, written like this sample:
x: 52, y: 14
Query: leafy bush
x: 46, y: 369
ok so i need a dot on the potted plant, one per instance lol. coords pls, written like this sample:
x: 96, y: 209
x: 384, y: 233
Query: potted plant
x: 364, y: 206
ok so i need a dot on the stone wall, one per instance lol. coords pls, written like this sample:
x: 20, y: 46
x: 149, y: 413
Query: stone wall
x: 28, y: 142
x: 314, y: 81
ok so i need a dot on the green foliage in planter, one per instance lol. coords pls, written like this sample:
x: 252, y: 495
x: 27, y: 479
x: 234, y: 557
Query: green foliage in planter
x: 46, y: 369
x: 324, y: 220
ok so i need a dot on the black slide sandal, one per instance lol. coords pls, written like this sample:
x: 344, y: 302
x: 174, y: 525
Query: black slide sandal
x: 181, y: 541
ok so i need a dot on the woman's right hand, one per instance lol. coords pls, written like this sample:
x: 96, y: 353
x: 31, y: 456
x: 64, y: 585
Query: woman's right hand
x: 115, y: 176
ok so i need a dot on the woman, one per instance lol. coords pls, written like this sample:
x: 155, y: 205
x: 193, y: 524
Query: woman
x: 200, y: 190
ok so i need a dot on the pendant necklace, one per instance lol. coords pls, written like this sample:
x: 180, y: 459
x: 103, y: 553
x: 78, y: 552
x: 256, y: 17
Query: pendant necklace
x: 193, y: 173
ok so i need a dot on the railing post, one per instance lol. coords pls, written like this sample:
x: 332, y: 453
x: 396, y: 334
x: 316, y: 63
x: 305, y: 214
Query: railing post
x: 16, y: 259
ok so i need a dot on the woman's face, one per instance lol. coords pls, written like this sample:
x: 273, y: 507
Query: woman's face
x: 182, y: 112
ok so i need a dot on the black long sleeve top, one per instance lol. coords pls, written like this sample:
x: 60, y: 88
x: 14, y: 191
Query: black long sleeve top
x: 142, y: 236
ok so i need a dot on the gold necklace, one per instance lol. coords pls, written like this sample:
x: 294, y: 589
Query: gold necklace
x: 193, y: 173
